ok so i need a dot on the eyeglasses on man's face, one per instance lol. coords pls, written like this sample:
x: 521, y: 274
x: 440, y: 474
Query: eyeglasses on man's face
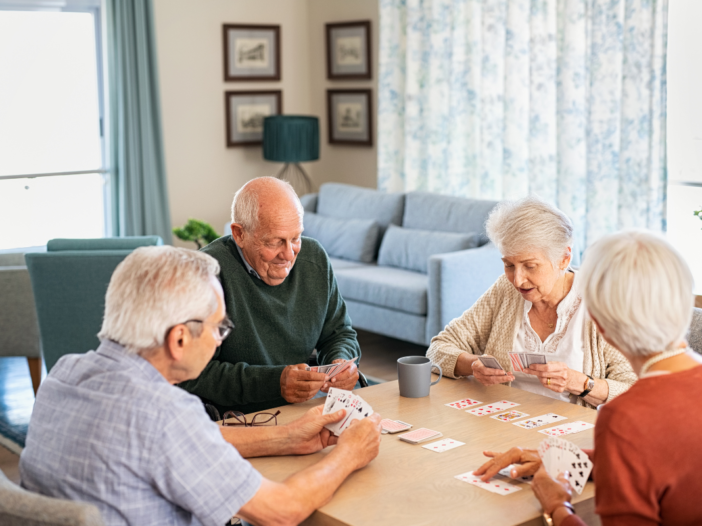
x: 224, y: 327
x: 259, y: 419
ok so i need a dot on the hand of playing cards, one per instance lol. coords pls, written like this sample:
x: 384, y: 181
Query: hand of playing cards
x: 559, y: 455
x: 356, y: 409
x: 332, y: 369
x: 522, y: 360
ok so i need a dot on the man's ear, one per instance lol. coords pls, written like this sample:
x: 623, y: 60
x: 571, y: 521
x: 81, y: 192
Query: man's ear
x: 178, y: 339
x: 237, y: 233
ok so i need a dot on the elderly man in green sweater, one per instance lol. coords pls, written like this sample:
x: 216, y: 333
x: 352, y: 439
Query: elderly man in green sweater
x: 282, y: 296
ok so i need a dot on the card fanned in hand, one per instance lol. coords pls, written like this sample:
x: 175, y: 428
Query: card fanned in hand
x: 559, y: 455
x: 356, y: 409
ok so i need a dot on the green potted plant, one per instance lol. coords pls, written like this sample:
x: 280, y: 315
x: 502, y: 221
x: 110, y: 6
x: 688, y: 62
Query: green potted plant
x: 199, y: 232
x: 698, y: 213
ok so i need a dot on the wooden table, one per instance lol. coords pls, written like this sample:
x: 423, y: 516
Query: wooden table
x: 407, y: 484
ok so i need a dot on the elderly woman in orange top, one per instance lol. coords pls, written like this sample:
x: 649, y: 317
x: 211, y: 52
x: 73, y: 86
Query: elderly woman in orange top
x: 535, y: 307
x: 646, y: 460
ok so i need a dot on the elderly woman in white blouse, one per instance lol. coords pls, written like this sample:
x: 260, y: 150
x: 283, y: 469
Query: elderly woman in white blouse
x: 535, y: 307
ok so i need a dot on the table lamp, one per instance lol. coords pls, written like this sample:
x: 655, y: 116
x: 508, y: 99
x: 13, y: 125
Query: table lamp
x: 291, y: 139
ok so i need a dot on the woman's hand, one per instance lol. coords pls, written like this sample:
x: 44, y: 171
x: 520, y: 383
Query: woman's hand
x: 489, y: 376
x: 528, y: 460
x: 552, y: 375
x: 551, y: 493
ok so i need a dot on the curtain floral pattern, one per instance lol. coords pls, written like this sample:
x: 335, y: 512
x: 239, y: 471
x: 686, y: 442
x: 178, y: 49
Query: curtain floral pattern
x: 497, y: 99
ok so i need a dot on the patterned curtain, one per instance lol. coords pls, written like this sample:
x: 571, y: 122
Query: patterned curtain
x: 497, y: 99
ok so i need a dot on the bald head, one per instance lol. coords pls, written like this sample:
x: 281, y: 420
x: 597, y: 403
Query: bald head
x: 267, y: 225
x: 260, y: 199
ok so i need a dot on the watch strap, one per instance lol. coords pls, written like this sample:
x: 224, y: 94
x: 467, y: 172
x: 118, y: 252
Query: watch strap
x: 590, y: 386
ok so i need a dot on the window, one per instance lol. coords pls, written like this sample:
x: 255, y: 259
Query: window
x: 52, y: 177
x: 684, y: 135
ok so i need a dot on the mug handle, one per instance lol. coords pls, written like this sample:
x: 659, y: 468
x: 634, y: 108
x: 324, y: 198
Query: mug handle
x: 440, y: 374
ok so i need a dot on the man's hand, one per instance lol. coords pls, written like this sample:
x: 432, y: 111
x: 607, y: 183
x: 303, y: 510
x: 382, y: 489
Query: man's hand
x: 362, y: 440
x: 298, y: 385
x: 551, y: 493
x: 552, y: 375
x: 344, y: 380
x: 528, y: 459
x: 490, y: 376
x: 308, y: 434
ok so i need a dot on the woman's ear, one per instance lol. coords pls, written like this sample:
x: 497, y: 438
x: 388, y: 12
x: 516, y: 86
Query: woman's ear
x: 567, y: 258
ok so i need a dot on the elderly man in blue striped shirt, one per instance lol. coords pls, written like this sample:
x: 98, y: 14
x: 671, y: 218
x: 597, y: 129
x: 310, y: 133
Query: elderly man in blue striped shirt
x: 110, y: 428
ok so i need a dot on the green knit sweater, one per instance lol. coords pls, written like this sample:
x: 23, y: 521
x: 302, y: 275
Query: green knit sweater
x: 275, y: 326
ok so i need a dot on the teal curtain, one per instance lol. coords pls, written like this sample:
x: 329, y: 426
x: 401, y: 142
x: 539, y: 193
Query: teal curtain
x: 139, y: 189
x: 498, y: 99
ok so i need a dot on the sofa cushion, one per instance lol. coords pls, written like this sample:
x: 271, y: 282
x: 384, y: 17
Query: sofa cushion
x: 344, y: 201
x: 388, y: 287
x: 338, y: 264
x: 428, y: 211
x: 309, y: 202
x: 354, y: 239
x: 411, y: 249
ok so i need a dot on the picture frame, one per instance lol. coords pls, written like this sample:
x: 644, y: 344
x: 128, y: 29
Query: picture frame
x: 245, y: 111
x: 349, y: 50
x: 251, y: 52
x: 349, y: 113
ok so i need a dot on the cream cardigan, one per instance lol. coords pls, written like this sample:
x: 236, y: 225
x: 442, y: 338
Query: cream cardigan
x: 488, y: 327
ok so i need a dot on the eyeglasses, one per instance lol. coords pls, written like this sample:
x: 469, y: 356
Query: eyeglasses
x: 224, y: 328
x: 259, y: 419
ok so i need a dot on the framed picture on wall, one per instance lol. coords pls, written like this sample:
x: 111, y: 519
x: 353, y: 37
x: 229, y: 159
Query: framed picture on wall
x: 251, y: 52
x: 349, y: 50
x: 349, y: 116
x: 245, y: 113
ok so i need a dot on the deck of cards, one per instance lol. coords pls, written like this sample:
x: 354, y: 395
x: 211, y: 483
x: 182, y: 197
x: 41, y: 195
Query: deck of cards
x: 522, y: 360
x: 332, y: 369
x: 356, y: 409
x: 559, y: 455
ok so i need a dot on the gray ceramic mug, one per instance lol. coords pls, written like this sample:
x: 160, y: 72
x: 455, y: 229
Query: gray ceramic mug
x: 414, y: 375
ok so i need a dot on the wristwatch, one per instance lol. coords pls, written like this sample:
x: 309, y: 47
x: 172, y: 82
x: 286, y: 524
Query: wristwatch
x: 589, y: 386
x: 548, y: 521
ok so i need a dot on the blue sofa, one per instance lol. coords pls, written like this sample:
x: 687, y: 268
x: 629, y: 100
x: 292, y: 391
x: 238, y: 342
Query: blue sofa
x: 406, y: 263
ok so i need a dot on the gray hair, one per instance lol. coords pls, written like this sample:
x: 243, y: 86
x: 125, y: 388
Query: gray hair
x: 530, y: 224
x: 154, y: 289
x: 639, y: 289
x: 246, y: 204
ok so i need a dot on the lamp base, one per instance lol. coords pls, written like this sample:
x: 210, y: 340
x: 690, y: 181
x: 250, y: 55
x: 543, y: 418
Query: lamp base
x: 294, y: 173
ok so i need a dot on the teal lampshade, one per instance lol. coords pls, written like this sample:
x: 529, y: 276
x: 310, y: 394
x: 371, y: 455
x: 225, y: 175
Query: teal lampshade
x: 291, y: 138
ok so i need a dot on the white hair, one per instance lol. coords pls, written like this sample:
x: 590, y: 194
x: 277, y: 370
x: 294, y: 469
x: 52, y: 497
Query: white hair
x: 530, y: 224
x: 246, y: 204
x: 639, y: 289
x: 154, y: 289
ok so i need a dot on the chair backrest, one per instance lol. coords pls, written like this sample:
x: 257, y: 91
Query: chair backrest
x: 694, y: 337
x: 19, y: 507
x: 69, y: 283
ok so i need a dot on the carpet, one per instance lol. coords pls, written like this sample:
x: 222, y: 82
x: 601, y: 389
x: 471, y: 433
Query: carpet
x: 16, y: 402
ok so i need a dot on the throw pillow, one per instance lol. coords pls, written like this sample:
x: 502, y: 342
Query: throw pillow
x: 354, y: 239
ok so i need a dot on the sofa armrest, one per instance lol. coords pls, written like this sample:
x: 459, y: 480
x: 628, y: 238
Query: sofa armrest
x: 19, y: 332
x: 456, y: 281
x: 309, y: 202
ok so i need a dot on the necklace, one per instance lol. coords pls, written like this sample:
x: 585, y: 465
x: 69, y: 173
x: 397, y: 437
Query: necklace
x: 550, y: 325
x: 663, y: 356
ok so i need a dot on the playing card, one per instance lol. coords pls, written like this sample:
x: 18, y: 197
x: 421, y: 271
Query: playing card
x: 332, y: 395
x: 340, y: 368
x: 443, y: 445
x: 509, y: 416
x: 462, y: 404
x: 516, y: 362
x: 490, y: 362
x: 539, y: 421
x: 394, y: 426
x: 419, y: 435
x: 356, y: 409
x: 567, y: 429
x: 560, y: 455
x: 495, y: 486
x: 506, y: 473
x: 489, y: 409
x: 535, y: 358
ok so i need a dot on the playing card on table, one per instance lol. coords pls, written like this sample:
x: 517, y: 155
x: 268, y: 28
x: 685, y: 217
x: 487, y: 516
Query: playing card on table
x: 495, y: 486
x: 490, y: 362
x: 539, y: 421
x: 462, y: 404
x: 489, y: 409
x: 443, y: 445
x: 394, y: 426
x: 567, y: 429
x: 419, y: 435
x: 509, y: 416
x: 506, y: 472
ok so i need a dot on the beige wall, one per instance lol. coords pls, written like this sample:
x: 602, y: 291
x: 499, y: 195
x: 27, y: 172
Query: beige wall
x: 203, y: 174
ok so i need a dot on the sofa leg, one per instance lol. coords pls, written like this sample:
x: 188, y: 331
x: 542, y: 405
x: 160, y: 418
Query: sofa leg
x: 35, y: 372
